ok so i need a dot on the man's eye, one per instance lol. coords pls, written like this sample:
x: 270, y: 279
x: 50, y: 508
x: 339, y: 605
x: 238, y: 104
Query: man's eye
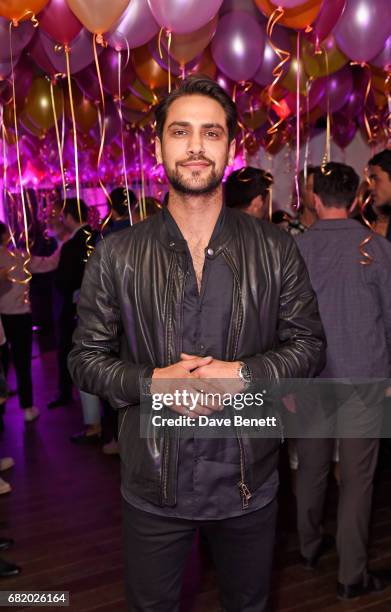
x: 179, y: 133
x: 212, y: 134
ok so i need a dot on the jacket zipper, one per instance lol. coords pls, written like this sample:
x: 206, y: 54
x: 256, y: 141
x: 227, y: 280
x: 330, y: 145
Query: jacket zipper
x: 243, y: 488
x: 122, y: 424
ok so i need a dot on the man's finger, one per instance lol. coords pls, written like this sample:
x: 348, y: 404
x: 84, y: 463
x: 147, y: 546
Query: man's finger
x: 195, y: 362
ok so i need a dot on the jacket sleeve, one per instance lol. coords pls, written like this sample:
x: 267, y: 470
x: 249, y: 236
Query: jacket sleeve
x: 94, y: 362
x: 300, y: 344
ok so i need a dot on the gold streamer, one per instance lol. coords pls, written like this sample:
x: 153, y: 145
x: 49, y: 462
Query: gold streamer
x: 284, y: 57
x: 143, y: 208
x: 124, y: 168
x: 26, y: 271
x: 327, y: 150
x: 59, y: 147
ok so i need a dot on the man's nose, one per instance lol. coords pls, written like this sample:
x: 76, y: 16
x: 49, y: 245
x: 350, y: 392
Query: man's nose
x: 196, y: 146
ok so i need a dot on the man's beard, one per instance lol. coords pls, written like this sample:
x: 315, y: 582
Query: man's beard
x: 186, y: 187
x: 384, y: 209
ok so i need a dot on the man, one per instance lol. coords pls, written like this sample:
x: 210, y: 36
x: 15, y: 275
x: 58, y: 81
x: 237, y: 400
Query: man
x: 69, y: 273
x: 351, y: 277
x: 120, y: 210
x: 306, y: 212
x: 195, y: 292
x: 380, y: 184
x: 248, y: 189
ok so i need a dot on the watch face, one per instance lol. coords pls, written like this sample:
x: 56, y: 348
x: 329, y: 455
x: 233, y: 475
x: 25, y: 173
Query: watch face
x: 245, y: 373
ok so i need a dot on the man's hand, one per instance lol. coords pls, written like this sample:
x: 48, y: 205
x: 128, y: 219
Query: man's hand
x: 179, y: 379
x: 218, y: 376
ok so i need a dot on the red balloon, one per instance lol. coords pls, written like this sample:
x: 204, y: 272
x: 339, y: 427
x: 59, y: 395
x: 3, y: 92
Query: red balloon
x: 58, y: 21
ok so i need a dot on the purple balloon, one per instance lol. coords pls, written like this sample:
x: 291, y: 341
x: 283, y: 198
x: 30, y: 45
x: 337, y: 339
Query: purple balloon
x: 242, y: 5
x: 23, y: 73
x: 339, y: 86
x: 355, y: 102
x: 112, y: 123
x: 281, y: 39
x: 225, y: 83
x: 383, y: 60
x: 363, y: 29
x: 20, y: 36
x: 81, y: 52
x: 184, y: 16
x: 6, y: 67
x: 37, y: 52
x: 342, y: 131
x: 135, y: 28
x: 327, y: 19
x: 58, y: 21
x: 87, y: 80
x: 289, y: 3
x: 238, y: 45
x: 108, y: 63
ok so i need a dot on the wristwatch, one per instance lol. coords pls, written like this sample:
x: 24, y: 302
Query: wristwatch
x: 245, y: 374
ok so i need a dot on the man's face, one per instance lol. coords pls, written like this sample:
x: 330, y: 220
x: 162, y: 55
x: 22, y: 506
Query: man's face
x: 380, y: 185
x: 194, y: 149
x: 308, y: 199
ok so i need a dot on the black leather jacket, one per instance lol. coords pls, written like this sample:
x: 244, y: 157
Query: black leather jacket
x: 129, y: 323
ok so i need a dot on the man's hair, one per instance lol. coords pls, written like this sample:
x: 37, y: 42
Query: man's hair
x: 71, y: 208
x: 202, y: 86
x: 119, y: 202
x: 3, y: 230
x: 243, y: 185
x: 382, y: 159
x: 336, y: 184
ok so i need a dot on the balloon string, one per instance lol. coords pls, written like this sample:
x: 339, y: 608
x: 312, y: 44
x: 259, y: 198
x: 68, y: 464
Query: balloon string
x: 74, y: 129
x: 169, y: 37
x: 143, y: 208
x: 6, y: 194
x: 26, y: 271
x: 387, y: 87
x: 124, y: 168
x: 64, y: 187
x: 327, y: 150
x: 159, y: 42
x: 298, y: 76
x: 278, y: 71
x: 308, y: 136
x: 366, y: 118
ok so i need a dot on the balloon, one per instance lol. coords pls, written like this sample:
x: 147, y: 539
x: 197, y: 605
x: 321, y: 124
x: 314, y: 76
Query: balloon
x: 148, y: 70
x: 5, y: 92
x: 226, y: 84
x: 87, y: 80
x: 5, y: 68
x: 320, y: 64
x: 355, y: 102
x: 298, y: 18
x: 383, y: 59
x: 37, y: 52
x: 183, y: 16
x: 86, y: 115
x: 242, y: 5
x: 39, y: 106
x: 281, y: 40
x: 108, y: 63
x: 15, y: 10
x: 132, y: 116
x: 58, y: 21
x: 238, y: 45
x: 167, y: 61
x: 133, y: 103
x: 135, y: 28
x: 23, y: 74
x: 327, y: 19
x: 98, y: 16
x: 20, y: 37
x: 206, y: 65
x: 290, y: 79
x: 339, y: 87
x: 112, y: 123
x: 185, y: 47
x: 288, y: 3
x: 363, y: 28
x: 141, y: 91
x: 342, y: 131
x: 80, y: 56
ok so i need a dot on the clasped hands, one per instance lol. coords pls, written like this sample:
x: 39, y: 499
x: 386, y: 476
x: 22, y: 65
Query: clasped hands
x: 189, y: 380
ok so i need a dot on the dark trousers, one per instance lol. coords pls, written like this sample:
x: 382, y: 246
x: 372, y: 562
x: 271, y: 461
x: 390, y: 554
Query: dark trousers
x: 18, y: 331
x: 358, y: 459
x: 67, y: 325
x: 109, y: 423
x: 156, y: 548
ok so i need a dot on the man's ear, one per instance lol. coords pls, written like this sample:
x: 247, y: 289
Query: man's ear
x: 231, y: 152
x: 318, y: 204
x: 158, y: 150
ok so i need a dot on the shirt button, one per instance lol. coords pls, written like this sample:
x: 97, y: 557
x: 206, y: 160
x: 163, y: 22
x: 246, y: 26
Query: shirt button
x: 172, y: 244
x: 210, y: 252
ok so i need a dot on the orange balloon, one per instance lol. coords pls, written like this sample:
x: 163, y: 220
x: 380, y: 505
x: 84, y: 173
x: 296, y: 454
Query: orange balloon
x: 134, y: 103
x: 142, y: 92
x: 98, y: 16
x: 8, y: 116
x: 148, y: 70
x: 298, y: 17
x: 15, y: 10
x: 206, y: 65
x: 39, y: 105
x: 185, y: 47
x: 86, y: 115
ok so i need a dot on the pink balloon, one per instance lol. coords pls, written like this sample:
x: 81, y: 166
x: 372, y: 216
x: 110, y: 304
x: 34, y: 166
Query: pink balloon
x: 238, y: 45
x: 281, y: 39
x: 183, y: 16
x: 20, y: 37
x: 363, y: 28
x: 343, y: 131
x: 339, y: 86
x: 37, y: 52
x: 109, y: 61
x: 112, y: 123
x: 81, y: 52
x: 242, y: 5
x: 327, y: 19
x: 227, y: 84
x: 135, y: 28
x: 383, y: 60
x: 58, y: 21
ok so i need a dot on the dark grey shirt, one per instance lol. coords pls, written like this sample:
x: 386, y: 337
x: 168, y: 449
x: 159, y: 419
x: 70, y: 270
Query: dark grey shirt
x: 354, y: 298
x: 208, y: 469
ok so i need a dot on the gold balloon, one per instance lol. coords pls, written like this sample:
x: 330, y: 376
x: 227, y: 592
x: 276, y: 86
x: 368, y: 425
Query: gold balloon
x: 255, y: 119
x: 298, y: 17
x: 142, y: 92
x: 30, y: 125
x: 148, y: 70
x: 86, y: 115
x: 328, y: 61
x: 206, y: 65
x: 98, y: 16
x: 8, y: 116
x: 15, y: 10
x: 39, y: 105
x: 134, y: 103
x: 290, y: 79
x: 185, y: 47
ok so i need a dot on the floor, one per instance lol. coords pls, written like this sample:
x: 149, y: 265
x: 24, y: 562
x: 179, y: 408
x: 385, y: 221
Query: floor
x: 64, y: 514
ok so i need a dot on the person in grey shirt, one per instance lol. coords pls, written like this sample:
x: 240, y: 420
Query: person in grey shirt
x: 351, y: 276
